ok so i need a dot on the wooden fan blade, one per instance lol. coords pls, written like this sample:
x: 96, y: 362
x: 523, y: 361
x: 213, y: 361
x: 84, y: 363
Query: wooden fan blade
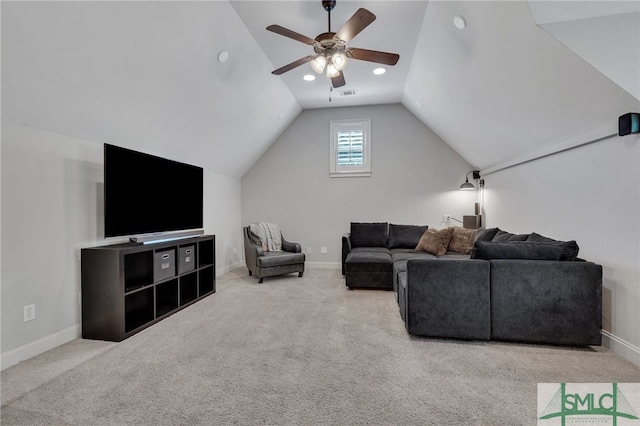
x: 373, y: 56
x: 358, y: 22
x: 292, y: 65
x: 291, y: 34
x: 338, y: 81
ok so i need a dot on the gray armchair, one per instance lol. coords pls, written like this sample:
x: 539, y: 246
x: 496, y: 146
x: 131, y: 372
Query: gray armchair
x: 271, y: 263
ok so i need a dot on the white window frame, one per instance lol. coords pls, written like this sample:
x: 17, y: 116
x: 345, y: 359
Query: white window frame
x: 363, y: 170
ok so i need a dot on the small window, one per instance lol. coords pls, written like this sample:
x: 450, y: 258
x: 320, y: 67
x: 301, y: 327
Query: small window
x: 350, y: 148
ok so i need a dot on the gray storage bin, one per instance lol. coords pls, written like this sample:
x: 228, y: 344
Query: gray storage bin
x: 186, y: 259
x: 164, y: 264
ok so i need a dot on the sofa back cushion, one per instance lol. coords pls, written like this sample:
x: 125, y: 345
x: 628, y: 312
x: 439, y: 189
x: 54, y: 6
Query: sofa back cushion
x: 487, y: 234
x: 405, y: 236
x: 372, y: 234
x: 569, y: 248
x: 516, y: 250
x: 435, y: 241
x: 504, y: 236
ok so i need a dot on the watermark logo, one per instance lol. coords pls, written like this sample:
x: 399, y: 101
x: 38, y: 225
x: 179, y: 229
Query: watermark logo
x: 563, y: 404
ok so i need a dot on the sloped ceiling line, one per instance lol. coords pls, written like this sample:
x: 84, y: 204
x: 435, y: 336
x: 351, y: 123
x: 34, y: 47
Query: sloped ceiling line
x: 588, y: 138
x: 604, y: 34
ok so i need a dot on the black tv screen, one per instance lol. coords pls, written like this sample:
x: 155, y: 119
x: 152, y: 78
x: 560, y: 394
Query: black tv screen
x: 145, y: 194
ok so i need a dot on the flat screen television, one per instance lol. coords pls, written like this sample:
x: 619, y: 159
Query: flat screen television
x: 145, y: 194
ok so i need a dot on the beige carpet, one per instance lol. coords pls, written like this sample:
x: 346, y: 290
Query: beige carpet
x: 293, y: 351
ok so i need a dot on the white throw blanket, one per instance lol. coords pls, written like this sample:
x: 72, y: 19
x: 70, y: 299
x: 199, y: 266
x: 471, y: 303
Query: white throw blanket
x: 267, y: 235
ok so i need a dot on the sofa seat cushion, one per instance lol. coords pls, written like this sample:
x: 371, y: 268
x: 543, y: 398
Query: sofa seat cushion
x: 454, y: 255
x: 369, y: 262
x: 370, y: 250
x: 369, y: 234
x: 403, y: 256
x: 279, y: 258
x: 399, y: 267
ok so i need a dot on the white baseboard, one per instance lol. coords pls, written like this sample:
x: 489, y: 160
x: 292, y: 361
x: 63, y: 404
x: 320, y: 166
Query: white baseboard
x: 323, y: 265
x: 620, y: 346
x: 37, y: 347
x: 229, y: 268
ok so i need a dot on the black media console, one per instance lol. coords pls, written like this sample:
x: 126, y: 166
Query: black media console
x: 128, y: 287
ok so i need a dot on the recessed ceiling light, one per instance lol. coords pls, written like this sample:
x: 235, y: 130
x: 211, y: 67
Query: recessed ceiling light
x: 223, y: 56
x: 309, y: 77
x: 459, y: 22
x: 379, y: 71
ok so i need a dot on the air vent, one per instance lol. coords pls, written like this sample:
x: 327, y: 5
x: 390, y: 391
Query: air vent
x: 347, y: 92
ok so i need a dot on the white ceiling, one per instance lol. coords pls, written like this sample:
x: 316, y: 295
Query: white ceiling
x: 146, y: 74
x: 395, y: 30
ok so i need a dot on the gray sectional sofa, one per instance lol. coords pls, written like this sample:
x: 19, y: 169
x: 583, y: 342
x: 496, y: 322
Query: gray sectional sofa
x: 525, y: 288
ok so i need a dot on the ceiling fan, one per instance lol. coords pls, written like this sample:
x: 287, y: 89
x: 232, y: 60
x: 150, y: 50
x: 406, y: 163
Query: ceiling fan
x: 331, y: 51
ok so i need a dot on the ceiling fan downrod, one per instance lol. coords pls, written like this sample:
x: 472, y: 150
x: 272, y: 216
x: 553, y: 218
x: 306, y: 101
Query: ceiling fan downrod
x: 328, y: 5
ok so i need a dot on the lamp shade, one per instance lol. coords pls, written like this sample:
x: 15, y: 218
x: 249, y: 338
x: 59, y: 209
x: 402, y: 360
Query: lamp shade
x: 332, y: 71
x: 318, y: 63
x: 467, y: 186
x: 339, y: 60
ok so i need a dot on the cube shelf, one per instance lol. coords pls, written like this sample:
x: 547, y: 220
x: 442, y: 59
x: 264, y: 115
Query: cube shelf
x: 128, y: 287
x: 188, y: 288
x: 138, y: 309
x: 166, y: 297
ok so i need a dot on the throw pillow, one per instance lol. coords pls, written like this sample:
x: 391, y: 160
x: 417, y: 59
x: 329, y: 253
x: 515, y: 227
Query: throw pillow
x: 516, y: 250
x: 570, y: 249
x: 369, y: 234
x: 462, y: 240
x: 405, y: 236
x: 435, y: 241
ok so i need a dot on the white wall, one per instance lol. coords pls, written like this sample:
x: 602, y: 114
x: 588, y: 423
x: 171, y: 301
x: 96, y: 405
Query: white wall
x: 590, y: 194
x: 414, y: 180
x: 52, y: 189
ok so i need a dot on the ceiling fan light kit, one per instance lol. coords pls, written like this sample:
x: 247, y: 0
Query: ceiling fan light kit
x: 339, y: 60
x: 331, y: 53
x: 332, y: 71
x: 318, y: 63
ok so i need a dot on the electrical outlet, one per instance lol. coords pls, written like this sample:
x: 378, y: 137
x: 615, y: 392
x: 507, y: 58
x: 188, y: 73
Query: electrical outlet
x: 446, y: 217
x: 308, y: 250
x: 235, y: 250
x: 29, y: 312
x: 323, y: 250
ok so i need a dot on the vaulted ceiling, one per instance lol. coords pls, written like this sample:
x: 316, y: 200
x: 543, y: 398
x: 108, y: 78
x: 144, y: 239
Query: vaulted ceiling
x: 521, y: 75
